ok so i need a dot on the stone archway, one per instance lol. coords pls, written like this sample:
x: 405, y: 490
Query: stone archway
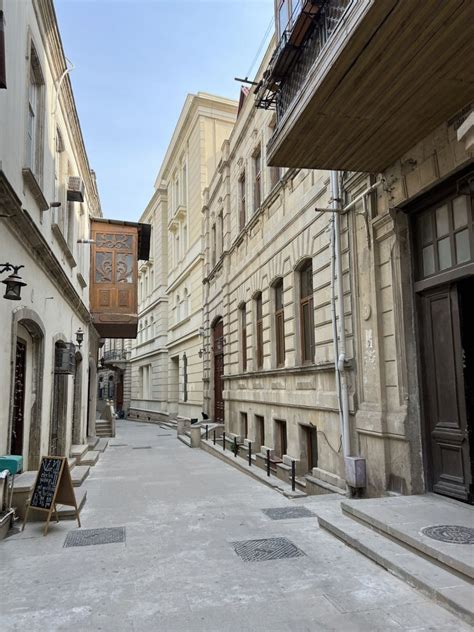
x: 77, y: 402
x: 30, y: 321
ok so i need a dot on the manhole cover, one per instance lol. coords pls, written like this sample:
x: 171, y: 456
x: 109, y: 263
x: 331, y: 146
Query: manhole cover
x: 142, y: 447
x: 266, y: 549
x: 283, y: 513
x: 452, y: 533
x: 88, y: 537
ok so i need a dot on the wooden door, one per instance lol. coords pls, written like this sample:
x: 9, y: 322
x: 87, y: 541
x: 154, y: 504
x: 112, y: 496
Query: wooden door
x: 444, y: 397
x: 219, y: 372
x: 19, y: 399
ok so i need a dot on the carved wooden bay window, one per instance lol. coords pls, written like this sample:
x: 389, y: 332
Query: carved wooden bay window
x: 114, y: 276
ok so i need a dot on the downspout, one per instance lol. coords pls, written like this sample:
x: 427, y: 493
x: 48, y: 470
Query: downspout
x: 334, y: 319
x: 341, y: 358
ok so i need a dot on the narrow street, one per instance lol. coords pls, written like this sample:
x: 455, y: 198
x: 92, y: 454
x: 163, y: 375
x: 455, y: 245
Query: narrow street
x: 177, y: 569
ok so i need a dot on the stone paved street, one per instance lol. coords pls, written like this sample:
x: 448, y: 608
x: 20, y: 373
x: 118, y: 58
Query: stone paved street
x: 177, y: 570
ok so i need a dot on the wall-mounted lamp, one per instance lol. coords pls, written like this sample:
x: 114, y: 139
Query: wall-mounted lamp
x: 79, y: 337
x: 13, y: 282
x: 201, y: 352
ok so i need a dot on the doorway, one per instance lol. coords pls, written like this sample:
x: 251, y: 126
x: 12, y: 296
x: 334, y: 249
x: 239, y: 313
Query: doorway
x: 218, y: 352
x: 19, y: 399
x: 444, y: 270
x: 310, y: 447
x: 77, y: 402
x: 281, y: 442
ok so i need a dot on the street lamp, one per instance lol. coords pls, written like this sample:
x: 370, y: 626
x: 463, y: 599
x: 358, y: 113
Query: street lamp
x: 79, y: 337
x: 13, y: 282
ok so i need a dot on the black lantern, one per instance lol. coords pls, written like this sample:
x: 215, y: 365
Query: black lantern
x: 79, y: 337
x: 13, y: 282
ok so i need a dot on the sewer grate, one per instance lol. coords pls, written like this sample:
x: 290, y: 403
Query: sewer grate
x: 284, y: 513
x: 452, y: 533
x: 141, y: 447
x: 266, y: 549
x: 88, y: 537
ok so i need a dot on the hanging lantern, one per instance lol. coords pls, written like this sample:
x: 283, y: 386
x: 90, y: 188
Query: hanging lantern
x: 79, y: 337
x: 13, y: 287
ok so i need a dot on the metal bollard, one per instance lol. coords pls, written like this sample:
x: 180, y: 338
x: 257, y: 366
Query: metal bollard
x: 250, y: 453
x: 293, y: 475
x: 207, y: 432
x: 223, y: 440
x: 268, y: 462
x: 214, y: 437
x: 236, y: 447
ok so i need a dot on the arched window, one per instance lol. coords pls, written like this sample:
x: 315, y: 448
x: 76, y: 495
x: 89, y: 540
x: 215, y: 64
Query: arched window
x: 259, y: 330
x: 279, y: 323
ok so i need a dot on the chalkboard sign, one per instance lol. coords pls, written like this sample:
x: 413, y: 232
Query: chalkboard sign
x: 46, y: 483
x: 53, y: 486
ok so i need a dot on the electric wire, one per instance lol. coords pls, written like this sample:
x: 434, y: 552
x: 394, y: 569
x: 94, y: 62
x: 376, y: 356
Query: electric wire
x: 262, y: 44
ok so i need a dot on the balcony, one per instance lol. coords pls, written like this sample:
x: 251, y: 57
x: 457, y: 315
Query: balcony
x: 115, y: 358
x: 367, y: 81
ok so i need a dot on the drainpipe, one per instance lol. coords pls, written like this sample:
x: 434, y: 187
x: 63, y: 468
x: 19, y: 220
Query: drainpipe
x: 334, y: 319
x: 344, y: 396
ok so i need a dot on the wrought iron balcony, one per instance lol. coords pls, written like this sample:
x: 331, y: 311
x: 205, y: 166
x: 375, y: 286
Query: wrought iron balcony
x: 115, y: 355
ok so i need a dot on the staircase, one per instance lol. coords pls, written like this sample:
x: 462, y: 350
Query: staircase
x: 103, y: 428
x: 390, y: 531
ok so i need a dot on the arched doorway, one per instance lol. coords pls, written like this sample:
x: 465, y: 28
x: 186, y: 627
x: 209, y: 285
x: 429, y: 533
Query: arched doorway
x: 26, y: 386
x: 218, y: 354
x: 77, y: 402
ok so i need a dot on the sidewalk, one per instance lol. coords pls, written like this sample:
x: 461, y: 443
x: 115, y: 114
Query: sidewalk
x: 177, y: 570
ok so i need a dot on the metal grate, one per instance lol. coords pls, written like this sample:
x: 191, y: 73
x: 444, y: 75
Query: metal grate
x: 285, y: 513
x: 266, y: 549
x: 141, y: 447
x: 452, y: 533
x: 89, y: 537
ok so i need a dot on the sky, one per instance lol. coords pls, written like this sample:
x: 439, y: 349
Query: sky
x: 134, y: 63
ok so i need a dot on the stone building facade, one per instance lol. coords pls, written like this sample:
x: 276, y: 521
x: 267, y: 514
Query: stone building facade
x: 47, y: 379
x: 166, y: 369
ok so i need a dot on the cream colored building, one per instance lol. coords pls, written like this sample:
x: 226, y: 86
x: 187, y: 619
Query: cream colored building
x: 166, y: 366
x: 47, y: 382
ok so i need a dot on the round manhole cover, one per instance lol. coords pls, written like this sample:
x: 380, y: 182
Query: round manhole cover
x: 452, y: 533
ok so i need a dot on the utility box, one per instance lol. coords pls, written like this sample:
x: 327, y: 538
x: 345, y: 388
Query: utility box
x: 356, y: 475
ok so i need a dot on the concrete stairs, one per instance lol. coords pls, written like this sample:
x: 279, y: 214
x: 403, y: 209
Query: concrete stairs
x: 442, y: 576
x: 103, y: 428
x: 90, y: 457
x: 79, y: 474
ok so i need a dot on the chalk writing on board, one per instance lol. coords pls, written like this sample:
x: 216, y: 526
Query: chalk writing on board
x: 46, y: 483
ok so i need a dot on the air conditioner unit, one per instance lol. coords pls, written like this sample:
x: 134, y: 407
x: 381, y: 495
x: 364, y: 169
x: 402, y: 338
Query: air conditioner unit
x: 75, y: 189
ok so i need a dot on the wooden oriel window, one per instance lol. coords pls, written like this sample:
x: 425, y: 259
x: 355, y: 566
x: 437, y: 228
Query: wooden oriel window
x: 243, y: 331
x: 259, y: 330
x: 307, y: 313
x: 242, y: 210
x: 279, y: 323
x: 257, y: 185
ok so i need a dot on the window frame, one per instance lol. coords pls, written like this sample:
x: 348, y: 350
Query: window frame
x: 257, y: 179
x: 280, y: 352
x: 306, y: 309
x: 242, y: 200
x: 258, y: 302
x: 243, y: 334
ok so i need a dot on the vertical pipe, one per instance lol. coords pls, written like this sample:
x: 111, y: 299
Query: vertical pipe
x: 207, y: 432
x: 336, y: 205
x: 268, y: 462
x: 293, y: 475
x: 223, y: 440
x: 250, y: 453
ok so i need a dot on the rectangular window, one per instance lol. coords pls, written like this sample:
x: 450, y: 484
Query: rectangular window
x: 279, y: 324
x: 35, y: 114
x: 243, y: 328
x: 257, y: 185
x: 242, y: 211
x: 281, y: 444
x: 307, y: 313
x: 259, y: 430
x: 221, y: 233
x: 213, y: 245
x: 244, y: 427
x: 259, y: 330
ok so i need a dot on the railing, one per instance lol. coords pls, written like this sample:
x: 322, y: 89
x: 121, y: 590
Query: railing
x: 119, y: 355
x: 328, y: 20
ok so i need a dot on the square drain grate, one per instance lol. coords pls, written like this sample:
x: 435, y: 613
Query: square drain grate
x: 284, y: 513
x: 142, y: 447
x: 89, y: 537
x: 266, y: 549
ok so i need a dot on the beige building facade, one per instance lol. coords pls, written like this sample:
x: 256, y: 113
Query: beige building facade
x: 47, y: 195
x: 166, y: 368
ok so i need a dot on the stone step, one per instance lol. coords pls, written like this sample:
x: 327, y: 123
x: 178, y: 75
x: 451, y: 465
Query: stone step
x: 79, y: 474
x: 317, y: 486
x: 102, y: 445
x: 403, y: 524
x: 185, y: 439
x: 72, y: 462
x: 92, y: 442
x: 78, y: 451
x: 447, y: 588
x: 90, y: 458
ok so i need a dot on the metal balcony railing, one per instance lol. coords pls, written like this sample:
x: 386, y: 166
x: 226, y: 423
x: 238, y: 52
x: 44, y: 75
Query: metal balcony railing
x: 300, y: 45
x: 115, y: 355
